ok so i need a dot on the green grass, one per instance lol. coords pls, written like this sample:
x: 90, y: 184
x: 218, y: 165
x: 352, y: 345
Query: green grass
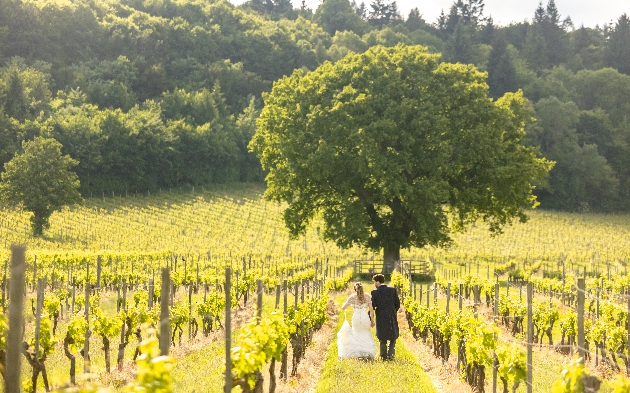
x: 357, y: 376
x: 201, y: 371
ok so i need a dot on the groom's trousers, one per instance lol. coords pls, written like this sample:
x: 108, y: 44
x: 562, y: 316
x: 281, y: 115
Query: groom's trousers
x: 387, y: 351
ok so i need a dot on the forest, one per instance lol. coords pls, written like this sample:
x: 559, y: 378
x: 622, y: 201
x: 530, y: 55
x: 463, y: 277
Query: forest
x: 153, y: 94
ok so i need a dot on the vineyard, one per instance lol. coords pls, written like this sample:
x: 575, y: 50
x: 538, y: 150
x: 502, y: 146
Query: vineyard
x: 216, y: 270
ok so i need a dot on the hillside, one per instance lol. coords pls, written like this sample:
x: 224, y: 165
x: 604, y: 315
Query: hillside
x: 159, y: 94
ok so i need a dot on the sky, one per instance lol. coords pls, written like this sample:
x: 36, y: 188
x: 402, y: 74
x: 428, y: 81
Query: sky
x: 587, y: 12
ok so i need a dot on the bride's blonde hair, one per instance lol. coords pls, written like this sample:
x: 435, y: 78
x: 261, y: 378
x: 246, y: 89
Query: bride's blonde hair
x: 358, y: 288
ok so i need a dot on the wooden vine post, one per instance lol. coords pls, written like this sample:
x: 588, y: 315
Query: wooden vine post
x: 12, y: 380
x: 530, y: 335
x: 228, y: 331
x: 165, y: 326
x: 283, y: 366
x: 98, y: 272
x: 448, y: 297
x: 86, y: 345
x: 628, y: 347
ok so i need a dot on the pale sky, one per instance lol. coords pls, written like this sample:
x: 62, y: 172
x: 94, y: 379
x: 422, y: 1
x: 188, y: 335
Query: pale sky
x: 587, y: 12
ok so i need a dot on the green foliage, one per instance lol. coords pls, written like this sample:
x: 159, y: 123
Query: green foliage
x: 399, y: 281
x: 76, y: 331
x: 46, y: 338
x: 258, y: 343
x: 104, y: 325
x: 40, y: 181
x: 153, y: 374
x: 573, y: 376
x: 52, y: 303
x: 92, y: 75
x: 214, y: 305
x: 366, y: 115
x: 308, y: 316
x: 4, y: 331
x: 621, y: 384
x: 618, y: 55
x: 512, y: 363
x: 337, y: 16
x: 179, y: 315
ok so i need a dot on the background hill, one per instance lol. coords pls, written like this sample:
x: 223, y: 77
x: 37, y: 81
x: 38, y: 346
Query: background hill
x: 154, y: 94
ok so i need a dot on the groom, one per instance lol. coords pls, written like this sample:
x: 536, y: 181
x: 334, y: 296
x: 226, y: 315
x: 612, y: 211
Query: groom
x: 386, y: 304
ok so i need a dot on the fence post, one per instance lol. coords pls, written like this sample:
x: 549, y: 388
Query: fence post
x: 448, y: 297
x: 98, y: 272
x: 165, y: 327
x: 530, y: 335
x: 283, y: 365
x: 190, y: 292
x: 12, y: 381
x: 86, y: 345
x: 41, y: 284
x: 628, y: 365
x: 228, y: 332
x: 259, y: 300
x: 496, y: 299
x: 151, y: 293
x: 580, y: 316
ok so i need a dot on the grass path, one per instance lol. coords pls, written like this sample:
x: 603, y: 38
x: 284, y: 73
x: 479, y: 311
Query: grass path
x: 350, y: 375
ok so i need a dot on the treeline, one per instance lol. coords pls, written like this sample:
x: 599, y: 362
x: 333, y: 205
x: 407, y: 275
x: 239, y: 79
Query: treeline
x: 159, y: 93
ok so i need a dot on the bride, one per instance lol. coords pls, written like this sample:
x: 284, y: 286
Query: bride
x: 357, y: 341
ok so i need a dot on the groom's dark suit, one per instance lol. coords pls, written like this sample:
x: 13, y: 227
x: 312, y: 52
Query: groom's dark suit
x: 386, y: 303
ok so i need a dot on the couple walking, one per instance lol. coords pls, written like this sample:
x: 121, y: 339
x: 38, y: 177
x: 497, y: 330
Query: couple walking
x: 357, y: 341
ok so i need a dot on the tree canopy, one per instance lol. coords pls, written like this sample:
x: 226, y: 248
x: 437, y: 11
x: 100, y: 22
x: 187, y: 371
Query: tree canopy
x: 39, y: 180
x: 395, y: 149
x: 138, y: 90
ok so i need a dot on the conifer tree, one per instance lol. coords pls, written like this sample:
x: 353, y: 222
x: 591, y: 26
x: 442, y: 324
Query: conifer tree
x: 501, y: 70
x: 15, y: 99
x: 414, y: 20
x: 618, y: 54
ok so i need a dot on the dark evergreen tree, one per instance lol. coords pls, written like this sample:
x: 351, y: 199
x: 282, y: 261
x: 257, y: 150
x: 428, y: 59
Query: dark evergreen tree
x: 516, y: 34
x: 15, y: 101
x: 618, y: 53
x: 471, y: 11
x: 276, y: 8
x: 461, y: 44
x: 556, y: 39
x: 589, y: 44
x: 487, y: 35
x: 581, y: 39
x: 360, y: 9
x: 414, y: 20
x: 501, y: 69
x: 382, y: 13
x: 535, y: 50
x: 540, y: 15
x: 442, y: 25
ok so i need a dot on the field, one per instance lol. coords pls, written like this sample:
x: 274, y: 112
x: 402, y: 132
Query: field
x: 198, y: 233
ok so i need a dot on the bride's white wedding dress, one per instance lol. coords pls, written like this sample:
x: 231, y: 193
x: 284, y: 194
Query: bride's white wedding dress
x: 356, y: 341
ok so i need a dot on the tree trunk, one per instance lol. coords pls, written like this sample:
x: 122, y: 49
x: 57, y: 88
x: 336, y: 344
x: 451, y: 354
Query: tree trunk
x: 391, y: 254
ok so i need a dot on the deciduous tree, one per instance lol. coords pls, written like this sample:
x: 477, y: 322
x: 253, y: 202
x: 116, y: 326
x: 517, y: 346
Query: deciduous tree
x: 40, y: 181
x: 395, y: 149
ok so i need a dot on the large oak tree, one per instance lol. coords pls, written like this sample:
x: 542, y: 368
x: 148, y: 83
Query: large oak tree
x: 395, y: 149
